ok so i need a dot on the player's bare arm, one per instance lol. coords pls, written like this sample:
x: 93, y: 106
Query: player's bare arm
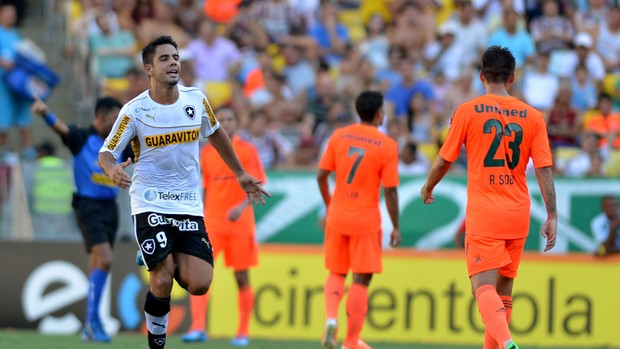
x: 391, y: 201
x: 322, y: 178
x: 252, y: 186
x: 116, y: 172
x: 39, y: 107
x: 438, y: 171
x: 237, y: 210
x: 547, y: 188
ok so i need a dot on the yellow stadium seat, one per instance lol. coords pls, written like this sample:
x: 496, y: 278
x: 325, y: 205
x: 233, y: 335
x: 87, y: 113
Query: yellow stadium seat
x: 353, y: 21
x: 612, y: 168
x: 116, y: 84
x: 609, y: 83
x: 73, y: 12
x: 356, y: 33
x: 564, y: 153
x: 218, y: 93
x: 587, y: 115
x: 429, y: 150
x: 447, y: 9
x: 350, y: 18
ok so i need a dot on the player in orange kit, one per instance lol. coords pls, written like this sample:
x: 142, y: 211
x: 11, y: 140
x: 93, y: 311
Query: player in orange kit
x: 500, y: 133
x: 363, y: 159
x: 229, y: 220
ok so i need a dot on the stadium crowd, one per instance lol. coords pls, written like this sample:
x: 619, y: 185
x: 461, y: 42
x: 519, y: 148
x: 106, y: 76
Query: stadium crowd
x: 290, y: 69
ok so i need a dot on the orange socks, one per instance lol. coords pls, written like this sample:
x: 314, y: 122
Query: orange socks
x: 246, y: 305
x: 494, y: 315
x: 357, y: 307
x: 489, y: 342
x: 333, y: 293
x: 198, y: 309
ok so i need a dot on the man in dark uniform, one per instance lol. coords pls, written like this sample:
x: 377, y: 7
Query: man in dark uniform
x: 94, y: 201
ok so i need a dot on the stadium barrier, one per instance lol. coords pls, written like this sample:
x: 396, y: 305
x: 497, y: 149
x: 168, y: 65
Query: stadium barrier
x: 292, y: 214
x: 421, y: 296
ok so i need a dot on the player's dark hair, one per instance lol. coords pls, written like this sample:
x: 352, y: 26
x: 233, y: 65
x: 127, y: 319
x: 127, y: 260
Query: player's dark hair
x: 367, y: 104
x: 498, y: 64
x: 107, y: 104
x: 148, y: 52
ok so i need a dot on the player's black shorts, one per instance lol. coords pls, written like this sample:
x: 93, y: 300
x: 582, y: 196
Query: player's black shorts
x: 97, y: 220
x: 159, y: 234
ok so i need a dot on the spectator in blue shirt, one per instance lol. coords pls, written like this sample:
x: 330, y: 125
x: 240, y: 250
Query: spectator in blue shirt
x: 519, y: 41
x: 331, y: 36
x: 400, y: 94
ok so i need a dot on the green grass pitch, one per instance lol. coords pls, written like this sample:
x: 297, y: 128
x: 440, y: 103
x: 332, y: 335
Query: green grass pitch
x: 28, y: 339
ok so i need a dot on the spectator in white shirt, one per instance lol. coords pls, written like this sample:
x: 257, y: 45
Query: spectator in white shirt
x: 606, y: 227
x: 471, y: 34
x: 583, y: 54
x: 411, y: 162
x: 608, y: 40
x: 540, y: 87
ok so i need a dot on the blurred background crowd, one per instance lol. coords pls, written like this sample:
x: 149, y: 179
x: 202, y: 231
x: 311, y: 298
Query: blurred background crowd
x: 290, y: 69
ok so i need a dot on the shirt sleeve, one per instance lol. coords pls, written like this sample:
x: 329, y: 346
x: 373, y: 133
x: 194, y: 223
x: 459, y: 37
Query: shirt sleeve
x: 209, y: 121
x: 328, y: 161
x: 541, y: 151
x: 122, y: 132
x: 75, y: 139
x: 389, y: 172
x: 456, y: 136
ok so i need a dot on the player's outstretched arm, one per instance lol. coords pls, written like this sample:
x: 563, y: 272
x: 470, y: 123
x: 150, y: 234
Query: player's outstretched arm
x: 252, y: 186
x: 39, y: 107
x: 391, y: 201
x: 116, y: 172
x: 547, y: 188
x: 438, y: 171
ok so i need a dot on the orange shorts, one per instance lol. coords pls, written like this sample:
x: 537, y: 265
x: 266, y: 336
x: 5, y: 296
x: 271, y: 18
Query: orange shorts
x: 487, y: 253
x: 359, y: 254
x: 240, y: 251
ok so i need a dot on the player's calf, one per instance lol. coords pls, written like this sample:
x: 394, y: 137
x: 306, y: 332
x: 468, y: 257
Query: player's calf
x: 156, y: 312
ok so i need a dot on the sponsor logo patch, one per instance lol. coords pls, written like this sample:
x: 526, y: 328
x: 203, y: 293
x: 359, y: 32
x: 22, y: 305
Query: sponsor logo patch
x: 150, y: 195
x: 122, y: 126
x: 155, y: 220
x: 178, y: 137
x: 210, y: 113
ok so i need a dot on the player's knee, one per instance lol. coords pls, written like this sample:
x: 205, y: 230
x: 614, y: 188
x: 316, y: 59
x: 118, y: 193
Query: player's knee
x: 199, y: 289
x: 103, y: 262
x: 162, y: 282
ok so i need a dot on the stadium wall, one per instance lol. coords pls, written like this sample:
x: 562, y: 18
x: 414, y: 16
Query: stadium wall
x: 292, y: 213
x: 421, y: 297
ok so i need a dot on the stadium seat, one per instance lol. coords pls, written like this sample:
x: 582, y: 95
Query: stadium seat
x: 609, y: 83
x: 218, y: 92
x: 612, y: 168
x: 564, y: 153
x: 429, y: 150
x: 587, y: 115
x: 353, y: 21
x: 115, y: 85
